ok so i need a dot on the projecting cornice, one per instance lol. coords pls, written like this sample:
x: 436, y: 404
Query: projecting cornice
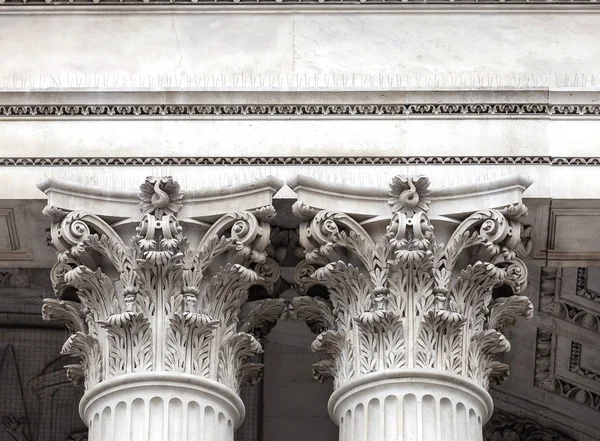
x: 365, y: 201
x: 201, y: 203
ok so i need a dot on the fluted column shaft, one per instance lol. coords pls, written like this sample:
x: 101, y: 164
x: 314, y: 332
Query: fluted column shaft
x: 410, y: 405
x: 161, y: 407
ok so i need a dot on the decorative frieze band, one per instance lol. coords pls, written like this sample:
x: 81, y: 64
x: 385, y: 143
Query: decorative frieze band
x: 300, y: 110
x: 297, y: 160
x: 582, y: 290
x: 575, y: 363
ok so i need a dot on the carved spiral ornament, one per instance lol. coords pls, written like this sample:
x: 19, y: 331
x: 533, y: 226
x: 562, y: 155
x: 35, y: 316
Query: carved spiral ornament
x: 328, y: 228
x: 73, y: 232
x: 242, y: 231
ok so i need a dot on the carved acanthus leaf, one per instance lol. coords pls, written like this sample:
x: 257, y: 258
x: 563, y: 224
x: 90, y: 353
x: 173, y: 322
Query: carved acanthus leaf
x: 381, y: 341
x: 303, y: 211
x: 251, y: 373
x: 335, y: 346
x: 266, y: 213
x: 72, y: 313
x: 95, y: 290
x: 324, y: 370
x: 482, y: 349
x: 88, y: 349
x: 349, y: 289
x: 233, y: 358
x: 439, y: 345
x: 330, y: 342
x: 505, y: 311
x: 260, y: 314
x: 53, y: 213
x: 130, y: 343
x: 316, y: 312
x: 188, y: 343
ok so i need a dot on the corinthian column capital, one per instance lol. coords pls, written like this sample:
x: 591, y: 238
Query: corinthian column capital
x: 417, y: 307
x: 155, y: 292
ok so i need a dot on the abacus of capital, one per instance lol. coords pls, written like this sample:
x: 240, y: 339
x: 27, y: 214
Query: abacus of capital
x: 420, y: 286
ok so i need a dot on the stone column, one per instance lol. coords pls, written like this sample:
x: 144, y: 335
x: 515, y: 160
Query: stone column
x: 159, y: 312
x: 410, y: 327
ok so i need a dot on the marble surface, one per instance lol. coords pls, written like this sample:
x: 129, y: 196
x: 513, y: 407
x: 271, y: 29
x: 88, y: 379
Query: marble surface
x: 287, y: 51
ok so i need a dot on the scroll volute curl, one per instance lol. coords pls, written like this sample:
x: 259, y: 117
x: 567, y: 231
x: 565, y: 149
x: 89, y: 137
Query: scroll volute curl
x: 69, y: 231
x: 245, y: 233
x: 331, y: 235
x: 234, y: 238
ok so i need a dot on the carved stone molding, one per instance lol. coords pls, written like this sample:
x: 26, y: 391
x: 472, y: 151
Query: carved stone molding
x: 565, y: 307
x: 582, y: 289
x: 544, y: 360
x: 298, y: 110
x: 505, y: 426
x: 299, y: 160
x: 548, y: 379
x: 575, y: 363
x: 15, y: 244
x: 575, y: 382
x: 171, y: 298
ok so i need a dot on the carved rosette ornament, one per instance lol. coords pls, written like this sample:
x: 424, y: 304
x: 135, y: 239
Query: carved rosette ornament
x: 162, y: 329
x: 411, y: 326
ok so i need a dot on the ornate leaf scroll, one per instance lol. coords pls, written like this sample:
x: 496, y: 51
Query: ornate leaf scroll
x: 402, y: 300
x: 161, y: 303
